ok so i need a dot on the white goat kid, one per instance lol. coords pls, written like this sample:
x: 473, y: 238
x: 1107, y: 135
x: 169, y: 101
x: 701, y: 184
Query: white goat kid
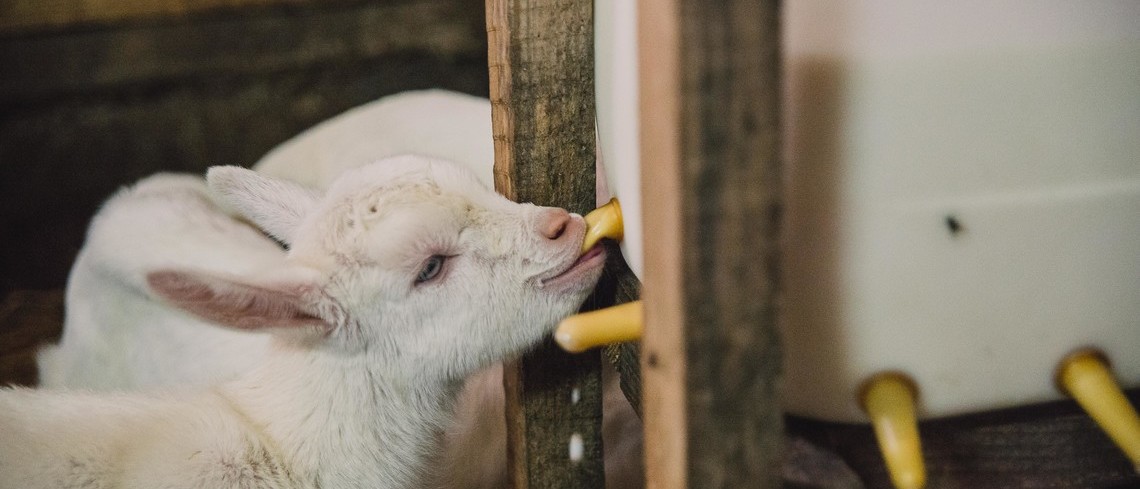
x: 404, y: 278
x: 119, y: 336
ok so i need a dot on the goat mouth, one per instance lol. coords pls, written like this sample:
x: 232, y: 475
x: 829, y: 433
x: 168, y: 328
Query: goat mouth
x: 589, y: 260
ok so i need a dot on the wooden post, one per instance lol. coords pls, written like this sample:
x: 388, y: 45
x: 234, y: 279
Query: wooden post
x: 619, y: 286
x: 711, y: 199
x: 542, y: 109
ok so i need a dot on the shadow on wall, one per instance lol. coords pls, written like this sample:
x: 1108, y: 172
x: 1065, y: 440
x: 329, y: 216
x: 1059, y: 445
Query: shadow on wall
x: 812, y: 224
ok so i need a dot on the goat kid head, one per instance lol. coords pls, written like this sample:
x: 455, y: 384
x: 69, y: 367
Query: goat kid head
x: 408, y: 261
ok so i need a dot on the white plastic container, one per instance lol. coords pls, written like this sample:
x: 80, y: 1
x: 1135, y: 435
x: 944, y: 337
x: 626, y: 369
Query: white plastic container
x: 616, y: 91
x: 963, y: 193
x: 963, y: 198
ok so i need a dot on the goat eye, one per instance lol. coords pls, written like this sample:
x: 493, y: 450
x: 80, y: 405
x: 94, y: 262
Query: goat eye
x: 431, y: 269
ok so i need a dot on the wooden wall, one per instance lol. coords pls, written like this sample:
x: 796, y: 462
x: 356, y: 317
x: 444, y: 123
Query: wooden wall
x: 95, y: 94
x: 711, y: 198
x: 38, y: 15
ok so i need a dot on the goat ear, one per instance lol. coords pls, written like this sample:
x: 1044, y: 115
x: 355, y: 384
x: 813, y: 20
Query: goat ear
x: 277, y: 304
x: 276, y: 206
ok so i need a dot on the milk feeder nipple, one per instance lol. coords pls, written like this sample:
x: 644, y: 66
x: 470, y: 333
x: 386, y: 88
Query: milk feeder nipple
x: 616, y: 324
x: 949, y: 284
x: 615, y: 56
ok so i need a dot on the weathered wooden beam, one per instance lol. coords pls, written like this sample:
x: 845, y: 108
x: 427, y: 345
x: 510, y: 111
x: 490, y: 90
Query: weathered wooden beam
x: 85, y: 111
x: 260, y: 43
x: 542, y: 99
x: 710, y: 103
x: 619, y: 286
x: 18, y: 16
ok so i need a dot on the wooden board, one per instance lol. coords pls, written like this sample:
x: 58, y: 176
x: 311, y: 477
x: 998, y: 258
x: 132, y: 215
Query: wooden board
x: 711, y: 179
x: 18, y: 16
x: 228, y: 47
x: 84, y: 112
x: 619, y: 286
x: 542, y: 99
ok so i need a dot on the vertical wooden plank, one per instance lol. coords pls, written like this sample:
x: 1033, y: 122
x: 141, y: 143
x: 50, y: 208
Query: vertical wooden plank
x: 710, y: 144
x: 618, y: 286
x: 542, y: 97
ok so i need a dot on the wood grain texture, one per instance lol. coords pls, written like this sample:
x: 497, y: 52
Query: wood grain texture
x: 227, y: 47
x: 17, y: 16
x: 540, y: 59
x: 85, y: 112
x: 711, y: 197
x: 619, y: 286
x: 663, y: 354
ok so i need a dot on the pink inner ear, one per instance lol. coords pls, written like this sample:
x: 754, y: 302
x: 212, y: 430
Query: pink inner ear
x: 233, y: 304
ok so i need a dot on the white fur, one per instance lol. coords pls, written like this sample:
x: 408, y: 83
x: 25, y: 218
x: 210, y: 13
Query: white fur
x: 117, y: 333
x: 119, y: 336
x: 365, y: 363
x: 446, y: 125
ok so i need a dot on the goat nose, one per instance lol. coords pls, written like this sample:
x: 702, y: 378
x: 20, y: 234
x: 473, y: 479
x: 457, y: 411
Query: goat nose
x: 553, y: 223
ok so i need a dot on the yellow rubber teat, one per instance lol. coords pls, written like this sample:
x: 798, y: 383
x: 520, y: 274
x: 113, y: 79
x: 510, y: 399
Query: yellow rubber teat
x: 889, y: 400
x: 603, y: 222
x: 615, y: 324
x: 1085, y: 375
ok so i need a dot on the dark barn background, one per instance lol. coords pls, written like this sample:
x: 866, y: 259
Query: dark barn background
x: 95, y: 94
